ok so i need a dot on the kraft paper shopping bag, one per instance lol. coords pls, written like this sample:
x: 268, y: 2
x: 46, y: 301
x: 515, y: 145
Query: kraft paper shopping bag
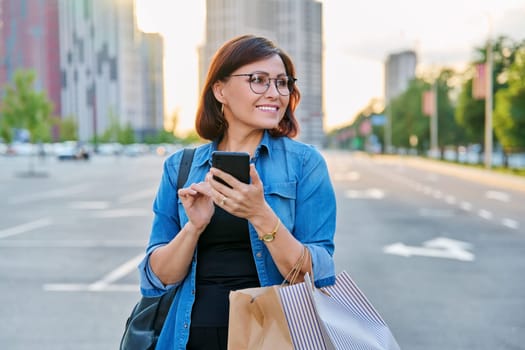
x: 257, y: 321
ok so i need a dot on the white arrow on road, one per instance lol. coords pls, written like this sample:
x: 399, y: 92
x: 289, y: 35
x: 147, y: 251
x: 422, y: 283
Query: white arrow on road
x: 440, y: 247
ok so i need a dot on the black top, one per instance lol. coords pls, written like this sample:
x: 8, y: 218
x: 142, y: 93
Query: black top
x: 224, y: 263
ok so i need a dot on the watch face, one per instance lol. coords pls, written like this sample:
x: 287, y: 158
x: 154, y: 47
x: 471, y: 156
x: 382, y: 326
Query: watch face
x: 268, y: 237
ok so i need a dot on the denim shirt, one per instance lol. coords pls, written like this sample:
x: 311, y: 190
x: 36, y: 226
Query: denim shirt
x: 297, y: 187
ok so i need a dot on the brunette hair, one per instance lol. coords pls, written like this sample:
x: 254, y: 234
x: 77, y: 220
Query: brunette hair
x: 237, y: 52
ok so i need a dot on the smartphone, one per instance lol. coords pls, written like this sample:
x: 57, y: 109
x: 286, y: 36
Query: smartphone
x: 235, y: 163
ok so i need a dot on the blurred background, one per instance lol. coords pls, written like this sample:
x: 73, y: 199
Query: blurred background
x: 419, y: 109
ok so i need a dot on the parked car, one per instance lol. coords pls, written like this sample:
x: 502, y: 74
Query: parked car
x: 71, y: 150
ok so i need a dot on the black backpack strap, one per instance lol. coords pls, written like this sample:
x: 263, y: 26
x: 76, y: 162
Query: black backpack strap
x: 185, y: 166
x: 166, y: 299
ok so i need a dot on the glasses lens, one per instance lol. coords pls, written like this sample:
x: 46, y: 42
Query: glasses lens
x: 259, y: 83
x: 283, y: 86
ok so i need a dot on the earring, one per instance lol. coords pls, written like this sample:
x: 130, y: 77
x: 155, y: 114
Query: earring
x: 222, y: 109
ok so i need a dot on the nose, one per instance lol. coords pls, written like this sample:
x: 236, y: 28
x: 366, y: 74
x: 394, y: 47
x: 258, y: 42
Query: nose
x: 272, y: 88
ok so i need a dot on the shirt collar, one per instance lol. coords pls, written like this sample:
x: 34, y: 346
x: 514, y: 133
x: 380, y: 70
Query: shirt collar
x: 264, y: 146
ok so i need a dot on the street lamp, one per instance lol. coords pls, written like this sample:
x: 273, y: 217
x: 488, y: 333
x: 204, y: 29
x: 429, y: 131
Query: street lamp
x: 488, y: 98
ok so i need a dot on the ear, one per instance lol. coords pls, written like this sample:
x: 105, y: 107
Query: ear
x: 217, y: 89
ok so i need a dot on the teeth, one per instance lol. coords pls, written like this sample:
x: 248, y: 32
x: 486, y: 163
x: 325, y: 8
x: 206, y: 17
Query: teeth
x: 267, y: 108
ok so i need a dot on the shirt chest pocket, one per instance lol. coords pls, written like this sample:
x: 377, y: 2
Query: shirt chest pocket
x: 282, y: 196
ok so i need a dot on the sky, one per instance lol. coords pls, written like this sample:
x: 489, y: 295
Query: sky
x: 358, y: 36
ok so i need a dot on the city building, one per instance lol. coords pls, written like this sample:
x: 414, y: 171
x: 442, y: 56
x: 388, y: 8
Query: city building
x: 295, y: 26
x: 153, y: 82
x: 29, y: 39
x: 90, y: 58
x: 400, y: 69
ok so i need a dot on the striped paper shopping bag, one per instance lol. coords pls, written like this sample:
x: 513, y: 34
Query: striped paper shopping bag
x: 333, y: 318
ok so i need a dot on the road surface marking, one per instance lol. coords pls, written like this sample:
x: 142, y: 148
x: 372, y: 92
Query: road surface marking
x: 497, y: 195
x: 144, y: 194
x: 95, y: 205
x: 439, y: 213
x: 440, y: 247
x: 510, y: 223
x: 485, y: 214
x: 62, y: 192
x: 104, y: 284
x: 371, y: 193
x: 123, y: 213
x: 29, y: 226
x: 466, y: 206
x: 81, y: 243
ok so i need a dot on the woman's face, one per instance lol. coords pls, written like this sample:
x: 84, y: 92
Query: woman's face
x: 244, y: 108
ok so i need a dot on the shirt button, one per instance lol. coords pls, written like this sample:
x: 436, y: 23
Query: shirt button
x: 185, y: 325
x: 259, y: 255
x: 193, y: 291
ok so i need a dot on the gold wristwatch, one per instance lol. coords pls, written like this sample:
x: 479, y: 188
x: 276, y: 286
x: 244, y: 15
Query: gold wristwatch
x: 270, y: 236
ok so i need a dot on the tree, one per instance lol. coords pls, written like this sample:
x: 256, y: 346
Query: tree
x: 67, y: 128
x: 407, y: 116
x: 25, y: 108
x: 509, y: 115
x: 470, y: 113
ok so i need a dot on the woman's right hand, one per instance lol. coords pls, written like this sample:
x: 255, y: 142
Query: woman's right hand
x: 198, y: 204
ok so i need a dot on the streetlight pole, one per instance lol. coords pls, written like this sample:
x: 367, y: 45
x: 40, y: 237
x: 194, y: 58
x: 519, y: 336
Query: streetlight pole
x: 434, y: 121
x: 488, y: 99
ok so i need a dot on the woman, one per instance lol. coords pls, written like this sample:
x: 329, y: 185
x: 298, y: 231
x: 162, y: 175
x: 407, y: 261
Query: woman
x: 206, y: 238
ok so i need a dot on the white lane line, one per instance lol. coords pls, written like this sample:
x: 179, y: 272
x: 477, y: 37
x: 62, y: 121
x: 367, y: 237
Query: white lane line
x: 144, y: 194
x: 118, y: 273
x: 95, y: 205
x: 38, y: 243
x: 497, y: 195
x: 371, y: 193
x: 510, y: 223
x: 485, y: 214
x: 466, y: 206
x: 87, y: 288
x: 123, y: 213
x: 29, y: 226
x: 104, y: 284
x: 450, y: 199
x: 63, y: 192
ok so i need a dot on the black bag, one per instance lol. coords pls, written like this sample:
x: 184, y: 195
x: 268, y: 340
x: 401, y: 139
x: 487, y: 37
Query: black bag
x: 144, y: 324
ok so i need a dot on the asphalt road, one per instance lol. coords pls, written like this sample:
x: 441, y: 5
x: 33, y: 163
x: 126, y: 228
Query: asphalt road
x: 439, y: 252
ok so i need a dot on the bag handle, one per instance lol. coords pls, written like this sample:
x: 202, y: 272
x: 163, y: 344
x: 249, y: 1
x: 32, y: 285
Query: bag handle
x: 294, y: 273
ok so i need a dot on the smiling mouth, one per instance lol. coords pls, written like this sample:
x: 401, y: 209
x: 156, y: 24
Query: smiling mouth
x: 268, y: 108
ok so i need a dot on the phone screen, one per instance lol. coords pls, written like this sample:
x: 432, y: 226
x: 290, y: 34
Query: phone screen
x: 235, y: 163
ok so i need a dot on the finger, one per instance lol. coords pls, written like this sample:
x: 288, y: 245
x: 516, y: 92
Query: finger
x: 218, y: 175
x: 256, y: 180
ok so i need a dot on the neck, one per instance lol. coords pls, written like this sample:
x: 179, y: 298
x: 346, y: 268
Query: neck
x: 235, y: 142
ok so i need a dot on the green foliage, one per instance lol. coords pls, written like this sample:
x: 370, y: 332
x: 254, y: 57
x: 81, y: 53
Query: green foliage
x: 162, y: 136
x: 470, y: 113
x: 111, y: 134
x: 449, y: 132
x: 126, y: 136
x: 191, y: 138
x: 407, y: 116
x: 25, y: 108
x: 67, y: 128
x: 509, y: 115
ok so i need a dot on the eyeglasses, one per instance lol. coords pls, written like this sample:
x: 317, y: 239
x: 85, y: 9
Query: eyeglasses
x: 260, y: 83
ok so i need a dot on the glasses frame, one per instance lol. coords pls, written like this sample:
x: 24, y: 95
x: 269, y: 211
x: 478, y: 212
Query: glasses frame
x: 291, y: 82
